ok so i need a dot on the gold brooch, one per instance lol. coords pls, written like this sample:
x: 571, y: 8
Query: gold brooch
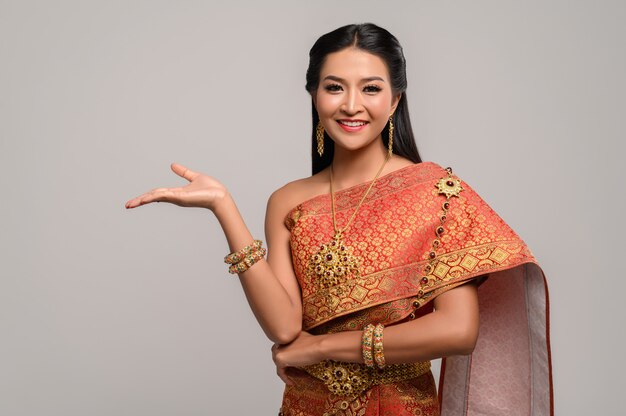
x: 449, y: 186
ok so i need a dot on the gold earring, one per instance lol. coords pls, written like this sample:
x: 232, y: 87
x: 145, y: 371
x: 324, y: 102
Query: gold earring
x: 320, y: 138
x: 390, y: 135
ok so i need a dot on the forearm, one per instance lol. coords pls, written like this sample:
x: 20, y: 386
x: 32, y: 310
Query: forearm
x: 432, y: 336
x: 268, y: 299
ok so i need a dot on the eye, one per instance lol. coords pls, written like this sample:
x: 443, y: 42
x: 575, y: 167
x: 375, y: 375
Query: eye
x: 332, y: 87
x: 371, y: 89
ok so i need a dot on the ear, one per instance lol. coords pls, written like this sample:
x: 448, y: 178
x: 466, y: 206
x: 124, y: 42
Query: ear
x: 394, y: 102
x: 314, y: 99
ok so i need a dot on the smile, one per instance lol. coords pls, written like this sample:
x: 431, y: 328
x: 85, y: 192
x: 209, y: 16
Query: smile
x: 352, y: 125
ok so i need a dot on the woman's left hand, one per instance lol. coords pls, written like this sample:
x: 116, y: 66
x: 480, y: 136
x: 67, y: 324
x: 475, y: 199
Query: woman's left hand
x: 302, y: 351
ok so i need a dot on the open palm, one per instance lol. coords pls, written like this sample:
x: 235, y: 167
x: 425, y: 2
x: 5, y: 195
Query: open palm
x: 202, y: 191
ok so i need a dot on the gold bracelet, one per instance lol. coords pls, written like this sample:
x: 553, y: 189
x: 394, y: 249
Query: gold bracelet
x: 379, y: 356
x: 366, y: 345
x: 247, y: 261
x: 237, y: 256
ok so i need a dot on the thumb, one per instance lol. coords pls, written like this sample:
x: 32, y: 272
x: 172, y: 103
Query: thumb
x: 183, y: 171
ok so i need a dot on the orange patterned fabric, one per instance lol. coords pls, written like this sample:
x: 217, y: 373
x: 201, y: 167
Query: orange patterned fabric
x: 401, y: 273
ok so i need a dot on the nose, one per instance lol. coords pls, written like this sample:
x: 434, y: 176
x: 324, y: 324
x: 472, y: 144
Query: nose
x: 352, y: 103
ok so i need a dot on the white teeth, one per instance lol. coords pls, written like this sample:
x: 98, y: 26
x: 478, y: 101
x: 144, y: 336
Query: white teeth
x: 352, y: 123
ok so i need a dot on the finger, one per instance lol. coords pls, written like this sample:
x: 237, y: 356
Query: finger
x: 135, y: 202
x: 274, y: 352
x: 184, y: 172
x: 164, y: 195
x: 282, y: 373
x: 156, y: 195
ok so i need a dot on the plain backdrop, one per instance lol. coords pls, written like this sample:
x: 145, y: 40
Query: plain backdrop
x: 105, y: 311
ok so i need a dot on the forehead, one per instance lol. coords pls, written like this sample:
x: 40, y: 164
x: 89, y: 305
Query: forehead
x: 353, y: 64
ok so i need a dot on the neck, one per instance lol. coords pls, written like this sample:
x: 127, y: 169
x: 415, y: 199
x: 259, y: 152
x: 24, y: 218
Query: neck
x: 352, y: 167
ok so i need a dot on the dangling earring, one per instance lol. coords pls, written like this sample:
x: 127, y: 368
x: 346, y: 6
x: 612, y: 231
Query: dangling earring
x: 320, y: 138
x: 390, y: 135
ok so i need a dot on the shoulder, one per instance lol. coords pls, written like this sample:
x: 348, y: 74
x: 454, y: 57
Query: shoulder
x: 288, y: 196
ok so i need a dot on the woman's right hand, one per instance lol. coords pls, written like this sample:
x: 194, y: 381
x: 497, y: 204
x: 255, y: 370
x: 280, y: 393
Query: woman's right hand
x: 202, y: 191
x: 274, y: 297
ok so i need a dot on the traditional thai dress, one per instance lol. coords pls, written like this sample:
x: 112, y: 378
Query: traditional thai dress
x: 420, y: 232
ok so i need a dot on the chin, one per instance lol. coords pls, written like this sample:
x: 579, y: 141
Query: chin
x: 352, y: 147
x: 352, y: 141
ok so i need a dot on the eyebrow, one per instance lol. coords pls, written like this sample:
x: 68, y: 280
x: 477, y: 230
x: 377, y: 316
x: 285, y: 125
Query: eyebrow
x: 368, y: 79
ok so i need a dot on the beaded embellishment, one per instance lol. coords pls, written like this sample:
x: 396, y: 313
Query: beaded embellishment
x: 450, y: 187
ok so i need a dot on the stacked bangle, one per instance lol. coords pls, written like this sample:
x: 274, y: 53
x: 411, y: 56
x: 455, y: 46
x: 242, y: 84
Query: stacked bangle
x: 242, y: 260
x: 247, y: 262
x: 379, y: 356
x: 366, y: 344
x: 238, y: 256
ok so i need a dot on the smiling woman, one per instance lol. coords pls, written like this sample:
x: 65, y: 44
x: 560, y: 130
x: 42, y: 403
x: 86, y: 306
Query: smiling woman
x: 379, y: 262
x: 356, y: 99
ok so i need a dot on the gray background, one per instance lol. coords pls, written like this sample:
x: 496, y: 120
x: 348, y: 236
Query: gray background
x: 105, y: 311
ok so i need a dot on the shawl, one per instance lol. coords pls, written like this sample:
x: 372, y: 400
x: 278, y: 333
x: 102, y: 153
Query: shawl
x: 414, y: 242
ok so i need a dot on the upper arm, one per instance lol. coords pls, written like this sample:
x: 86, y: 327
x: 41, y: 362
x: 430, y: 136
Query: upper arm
x: 278, y: 249
x: 460, y: 306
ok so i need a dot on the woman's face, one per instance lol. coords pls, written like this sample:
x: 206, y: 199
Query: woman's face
x: 354, y: 99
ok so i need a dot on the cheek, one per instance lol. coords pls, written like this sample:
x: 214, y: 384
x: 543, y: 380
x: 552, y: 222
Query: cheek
x: 327, y: 104
x: 380, y: 106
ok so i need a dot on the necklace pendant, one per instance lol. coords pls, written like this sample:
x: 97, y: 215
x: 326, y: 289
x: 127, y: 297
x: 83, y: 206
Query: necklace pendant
x: 334, y: 263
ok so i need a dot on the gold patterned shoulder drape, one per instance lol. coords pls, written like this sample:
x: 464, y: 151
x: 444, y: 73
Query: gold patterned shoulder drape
x: 414, y: 241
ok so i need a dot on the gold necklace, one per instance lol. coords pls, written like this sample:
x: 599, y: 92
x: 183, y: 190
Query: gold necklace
x: 334, y: 260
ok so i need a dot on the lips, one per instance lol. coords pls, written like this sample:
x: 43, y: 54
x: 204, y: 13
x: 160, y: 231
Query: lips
x: 352, y: 125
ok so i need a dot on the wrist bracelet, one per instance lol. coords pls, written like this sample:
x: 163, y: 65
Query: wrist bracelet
x: 247, y: 261
x: 366, y: 345
x: 237, y: 256
x: 379, y: 356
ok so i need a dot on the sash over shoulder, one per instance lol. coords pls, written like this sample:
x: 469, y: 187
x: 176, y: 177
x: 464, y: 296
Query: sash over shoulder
x: 416, y: 242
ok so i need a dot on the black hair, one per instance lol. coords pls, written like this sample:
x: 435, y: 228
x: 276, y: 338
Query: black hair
x: 377, y: 41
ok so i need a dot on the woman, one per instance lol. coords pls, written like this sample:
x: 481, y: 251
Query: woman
x: 375, y: 261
